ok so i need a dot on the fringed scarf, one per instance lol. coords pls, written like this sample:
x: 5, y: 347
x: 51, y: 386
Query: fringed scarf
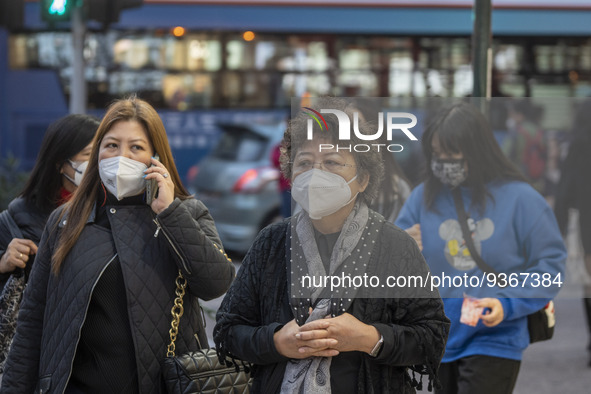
x: 310, y: 375
x: 350, y: 256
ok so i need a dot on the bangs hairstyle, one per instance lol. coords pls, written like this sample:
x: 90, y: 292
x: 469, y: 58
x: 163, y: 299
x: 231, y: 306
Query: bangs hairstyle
x: 83, y: 202
x: 64, y: 139
x: 461, y: 128
x: 368, y: 164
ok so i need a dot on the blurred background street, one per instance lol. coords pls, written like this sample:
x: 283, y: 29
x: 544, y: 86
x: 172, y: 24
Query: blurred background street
x: 222, y: 76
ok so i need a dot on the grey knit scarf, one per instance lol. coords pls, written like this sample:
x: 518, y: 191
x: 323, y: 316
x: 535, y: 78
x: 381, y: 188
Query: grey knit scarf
x: 345, y: 257
x: 312, y: 375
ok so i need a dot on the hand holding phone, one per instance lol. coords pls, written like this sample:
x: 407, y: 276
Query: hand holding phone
x: 160, y: 186
x: 152, y: 186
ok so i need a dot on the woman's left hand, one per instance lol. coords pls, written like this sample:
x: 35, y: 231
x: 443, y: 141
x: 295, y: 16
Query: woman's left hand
x: 165, y: 186
x: 350, y: 333
x: 495, y: 315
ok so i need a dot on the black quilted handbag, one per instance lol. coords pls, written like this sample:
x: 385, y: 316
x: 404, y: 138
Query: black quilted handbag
x: 199, y: 371
x: 11, y: 296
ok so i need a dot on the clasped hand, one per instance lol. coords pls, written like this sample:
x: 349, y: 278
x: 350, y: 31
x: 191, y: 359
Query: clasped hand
x: 325, y: 337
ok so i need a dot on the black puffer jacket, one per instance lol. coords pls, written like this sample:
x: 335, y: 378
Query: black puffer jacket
x: 151, y: 249
x: 30, y: 221
x: 256, y: 306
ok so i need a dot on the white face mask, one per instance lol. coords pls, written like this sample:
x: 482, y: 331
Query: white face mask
x: 321, y: 193
x: 122, y: 177
x: 79, y: 170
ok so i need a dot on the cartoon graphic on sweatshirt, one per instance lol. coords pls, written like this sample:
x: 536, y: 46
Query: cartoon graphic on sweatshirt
x: 456, y: 251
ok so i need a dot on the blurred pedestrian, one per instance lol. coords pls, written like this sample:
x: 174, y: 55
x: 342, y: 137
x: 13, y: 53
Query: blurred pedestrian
x: 284, y: 185
x: 96, y: 315
x: 511, y: 228
x: 395, y: 187
x: 526, y: 144
x: 574, y: 192
x: 309, y: 339
x: 59, y: 167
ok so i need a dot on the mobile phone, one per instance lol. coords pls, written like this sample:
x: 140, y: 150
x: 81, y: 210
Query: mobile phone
x: 152, y: 186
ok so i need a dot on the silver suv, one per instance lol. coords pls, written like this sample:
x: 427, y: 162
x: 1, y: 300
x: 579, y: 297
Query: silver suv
x: 239, y: 184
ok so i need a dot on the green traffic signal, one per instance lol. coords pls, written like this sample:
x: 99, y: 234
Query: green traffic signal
x: 103, y: 11
x: 56, y: 10
x: 58, y: 7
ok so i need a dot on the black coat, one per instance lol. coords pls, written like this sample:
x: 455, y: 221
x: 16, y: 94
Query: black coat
x: 30, y: 221
x: 151, y: 250
x: 256, y: 306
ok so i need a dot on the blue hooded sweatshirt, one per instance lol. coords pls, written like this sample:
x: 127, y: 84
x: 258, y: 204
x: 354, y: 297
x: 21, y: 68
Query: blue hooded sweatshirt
x: 517, y: 235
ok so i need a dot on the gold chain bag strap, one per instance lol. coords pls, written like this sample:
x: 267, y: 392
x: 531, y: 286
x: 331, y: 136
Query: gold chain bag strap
x: 199, y: 371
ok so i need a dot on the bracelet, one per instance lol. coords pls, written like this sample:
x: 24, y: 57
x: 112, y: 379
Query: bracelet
x: 376, y: 349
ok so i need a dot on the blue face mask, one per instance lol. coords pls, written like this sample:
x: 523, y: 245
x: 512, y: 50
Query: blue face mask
x: 451, y: 172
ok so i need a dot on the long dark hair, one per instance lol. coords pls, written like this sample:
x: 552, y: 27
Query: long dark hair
x: 82, y: 203
x: 461, y: 128
x: 63, y: 139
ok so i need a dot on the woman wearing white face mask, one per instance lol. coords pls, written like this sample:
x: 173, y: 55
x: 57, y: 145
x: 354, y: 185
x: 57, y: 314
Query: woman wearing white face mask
x: 97, y: 319
x: 311, y: 338
x: 472, y: 188
x: 67, y: 141
x: 69, y: 138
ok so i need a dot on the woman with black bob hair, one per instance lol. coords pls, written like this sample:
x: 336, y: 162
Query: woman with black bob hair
x: 59, y: 167
x: 311, y: 338
x: 96, y: 316
x: 455, y: 131
x: 513, y: 231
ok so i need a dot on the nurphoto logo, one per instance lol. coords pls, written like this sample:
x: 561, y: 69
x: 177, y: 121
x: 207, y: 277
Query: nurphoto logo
x: 345, y: 129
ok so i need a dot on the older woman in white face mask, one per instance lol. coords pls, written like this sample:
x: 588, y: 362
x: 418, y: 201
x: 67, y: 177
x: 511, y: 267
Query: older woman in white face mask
x: 326, y: 183
x: 285, y: 312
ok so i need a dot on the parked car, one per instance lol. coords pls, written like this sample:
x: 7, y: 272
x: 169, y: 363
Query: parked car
x: 239, y: 184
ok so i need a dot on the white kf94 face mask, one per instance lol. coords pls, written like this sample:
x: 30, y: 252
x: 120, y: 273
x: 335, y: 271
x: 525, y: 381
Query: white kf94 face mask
x: 122, y: 177
x: 79, y: 170
x: 321, y: 193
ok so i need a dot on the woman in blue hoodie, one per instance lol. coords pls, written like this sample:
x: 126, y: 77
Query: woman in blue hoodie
x: 513, y: 231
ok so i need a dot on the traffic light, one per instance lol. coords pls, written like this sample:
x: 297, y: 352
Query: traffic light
x: 107, y: 11
x: 12, y: 13
x: 104, y: 11
x: 57, y: 10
